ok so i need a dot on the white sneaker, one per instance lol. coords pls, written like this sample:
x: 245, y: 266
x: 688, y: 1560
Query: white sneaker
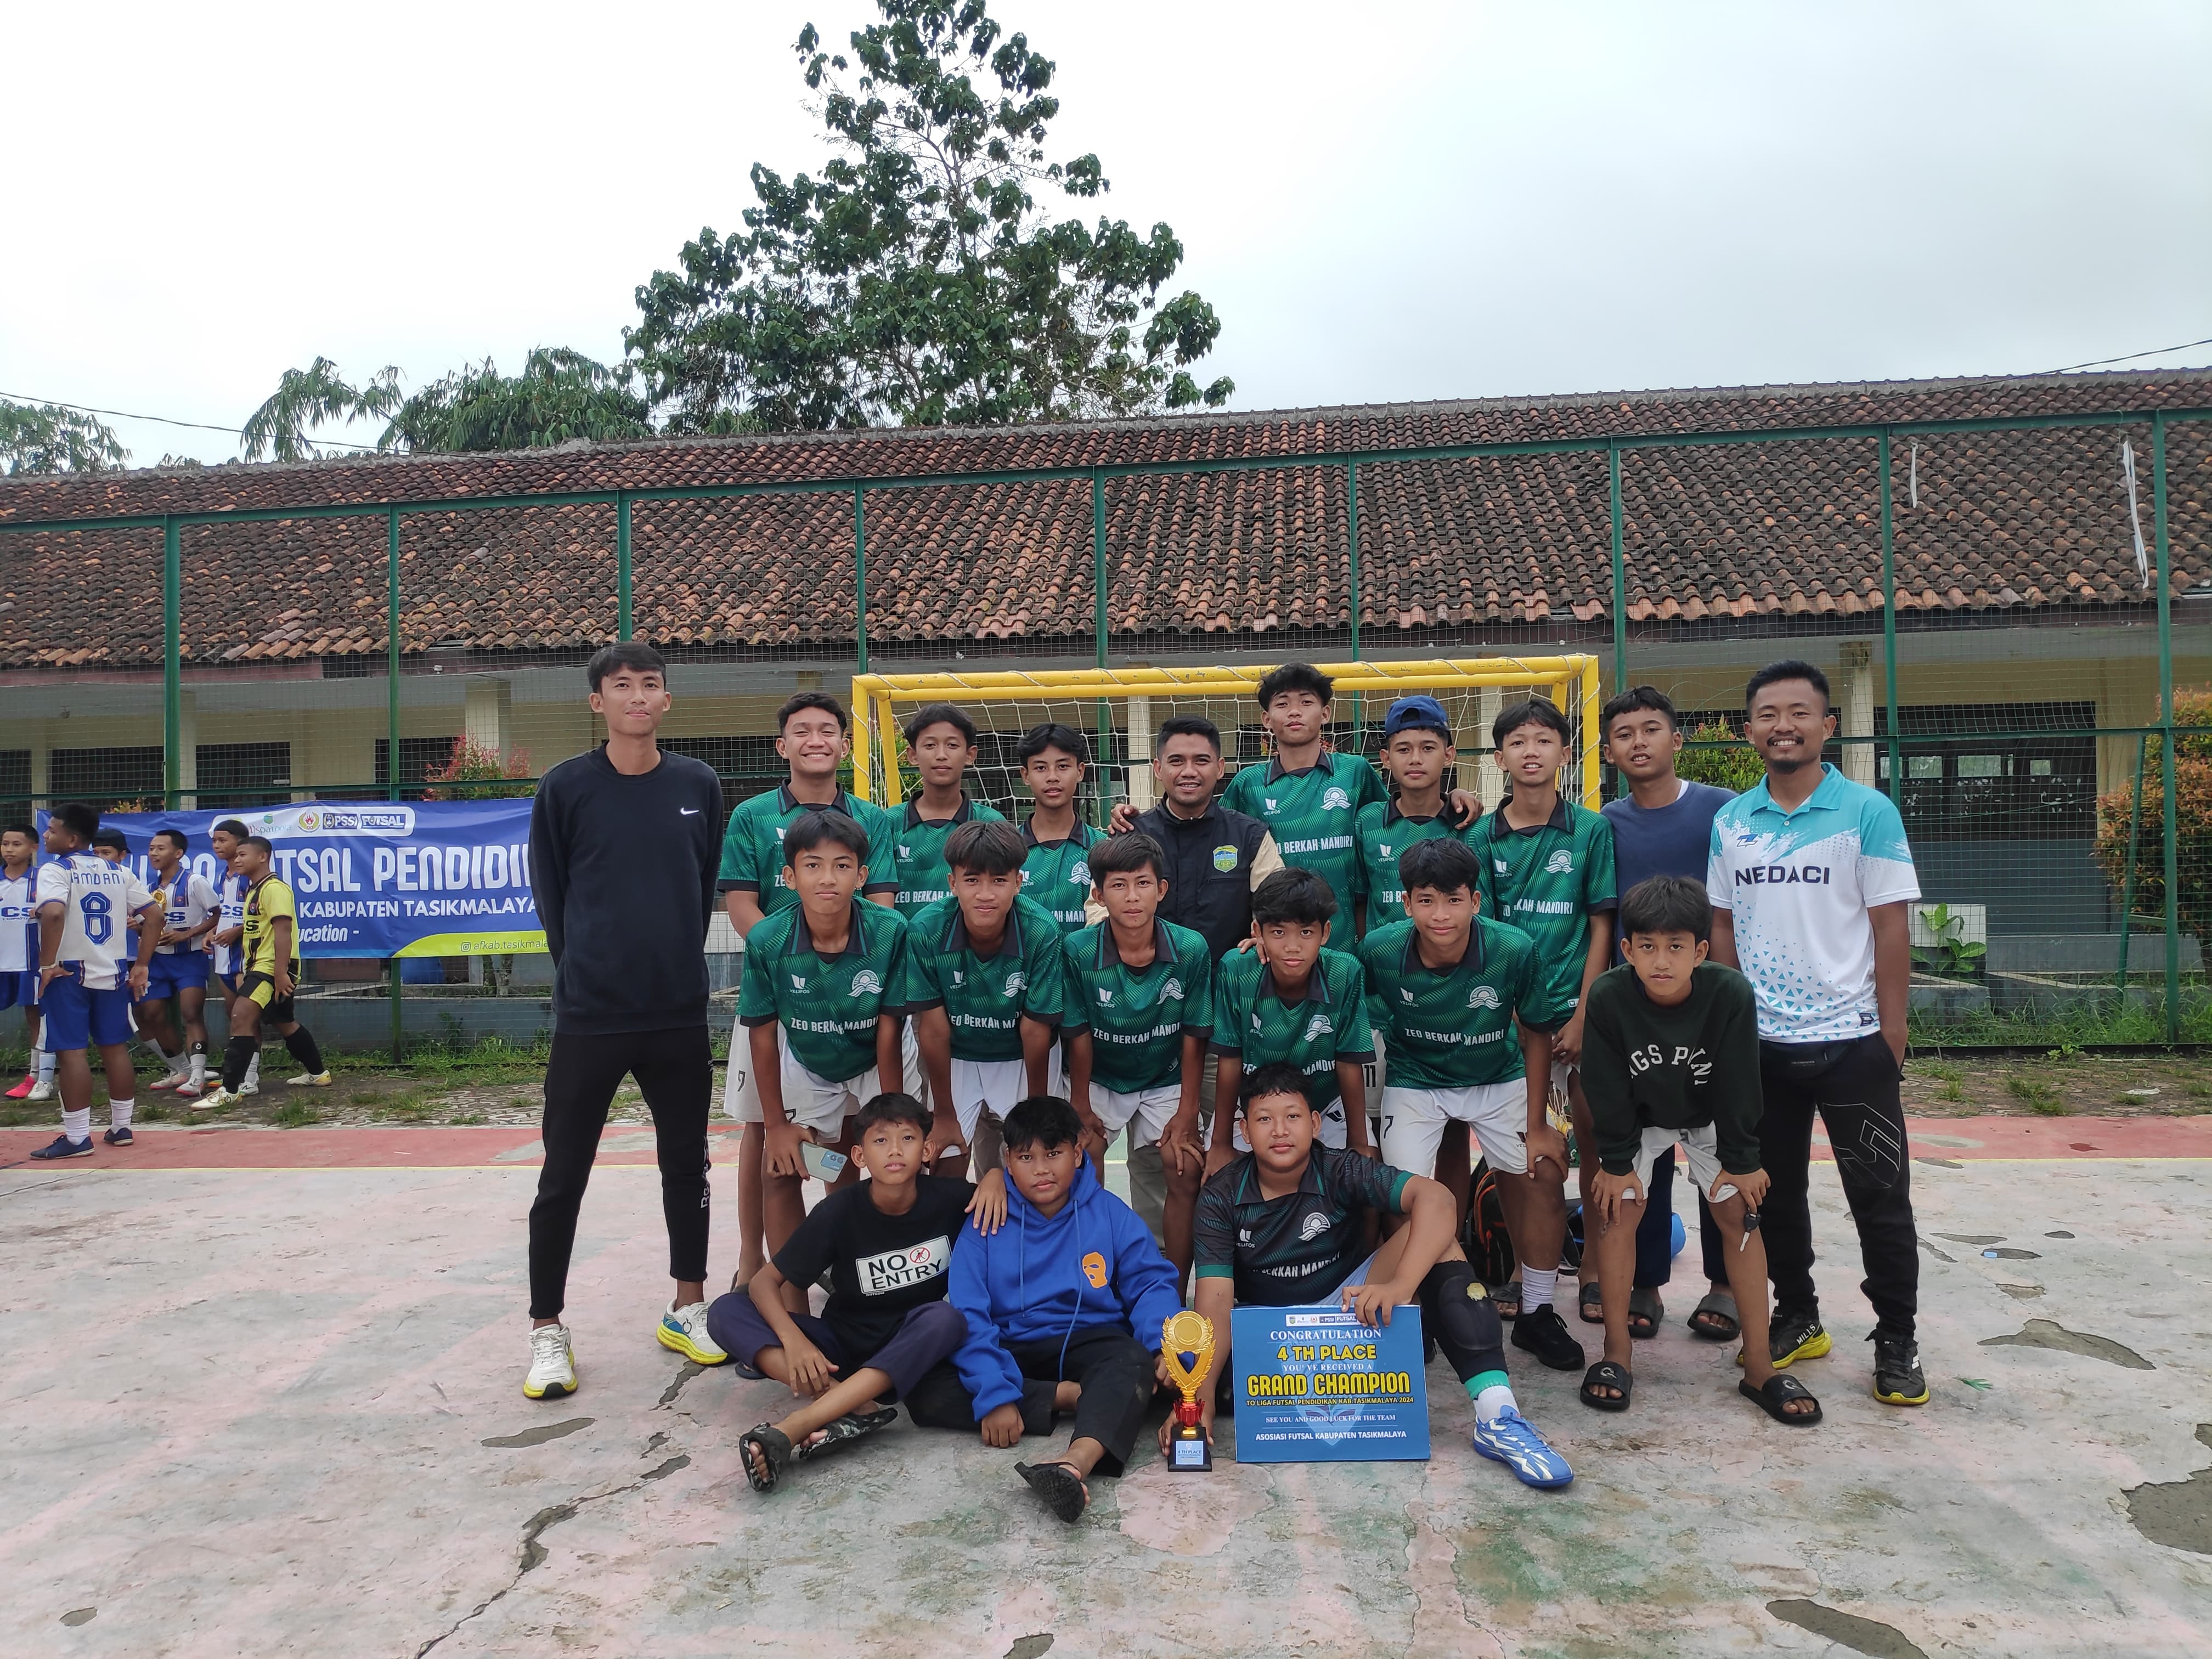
x: 42, y: 1089
x: 310, y: 1080
x: 552, y: 1364
x: 217, y: 1097
x: 251, y: 1086
x: 168, y: 1081
x: 190, y: 1088
x: 684, y: 1330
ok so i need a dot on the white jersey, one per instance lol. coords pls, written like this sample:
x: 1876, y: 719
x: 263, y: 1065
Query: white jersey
x: 19, y: 923
x: 230, y: 903
x: 188, y: 901
x: 98, y: 901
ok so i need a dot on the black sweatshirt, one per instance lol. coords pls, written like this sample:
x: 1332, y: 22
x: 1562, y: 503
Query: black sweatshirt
x: 1644, y: 1066
x: 622, y: 870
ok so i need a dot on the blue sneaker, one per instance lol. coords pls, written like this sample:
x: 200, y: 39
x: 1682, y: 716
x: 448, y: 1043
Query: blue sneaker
x: 1510, y: 1438
x: 63, y: 1147
x: 120, y: 1137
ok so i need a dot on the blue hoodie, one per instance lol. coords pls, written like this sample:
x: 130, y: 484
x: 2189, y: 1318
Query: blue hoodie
x: 1043, y: 1278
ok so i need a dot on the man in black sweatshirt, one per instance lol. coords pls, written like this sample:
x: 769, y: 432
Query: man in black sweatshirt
x: 624, y: 843
x: 1670, y: 1058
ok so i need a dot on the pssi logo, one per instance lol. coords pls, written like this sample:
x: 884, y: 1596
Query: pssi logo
x: 1561, y: 863
x: 1334, y: 799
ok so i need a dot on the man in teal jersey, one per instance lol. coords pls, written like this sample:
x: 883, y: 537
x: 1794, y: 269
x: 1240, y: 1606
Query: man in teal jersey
x: 822, y: 999
x: 814, y: 737
x: 1547, y: 868
x: 941, y: 740
x: 1463, y: 1001
x: 1290, y: 999
x: 1137, y: 1009
x: 1057, y: 873
x: 984, y: 986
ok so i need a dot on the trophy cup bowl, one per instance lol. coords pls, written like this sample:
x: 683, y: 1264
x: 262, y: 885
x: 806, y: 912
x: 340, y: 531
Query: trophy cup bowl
x: 1188, y: 1332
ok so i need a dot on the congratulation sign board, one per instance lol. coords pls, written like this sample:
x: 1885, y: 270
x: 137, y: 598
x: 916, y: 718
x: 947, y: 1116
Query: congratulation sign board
x: 1314, y: 1385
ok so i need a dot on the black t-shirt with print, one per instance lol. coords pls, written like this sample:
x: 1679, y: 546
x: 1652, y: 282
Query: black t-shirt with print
x: 881, y: 1266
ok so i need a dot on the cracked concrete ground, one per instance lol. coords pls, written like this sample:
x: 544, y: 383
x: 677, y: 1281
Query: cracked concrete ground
x: 275, y: 1410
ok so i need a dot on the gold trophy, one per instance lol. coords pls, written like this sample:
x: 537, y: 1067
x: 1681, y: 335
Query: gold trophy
x: 1192, y: 1334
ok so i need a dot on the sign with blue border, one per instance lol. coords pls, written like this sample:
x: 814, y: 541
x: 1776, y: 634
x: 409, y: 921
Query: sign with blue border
x: 1314, y: 1385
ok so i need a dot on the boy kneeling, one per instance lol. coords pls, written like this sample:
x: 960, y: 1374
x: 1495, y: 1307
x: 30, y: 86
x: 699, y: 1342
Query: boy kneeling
x: 1064, y: 1308
x: 886, y: 1244
x: 1671, y: 1055
x: 1282, y: 1226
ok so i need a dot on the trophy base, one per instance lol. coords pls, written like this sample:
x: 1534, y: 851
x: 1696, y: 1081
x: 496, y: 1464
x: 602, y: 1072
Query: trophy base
x: 1191, y: 1453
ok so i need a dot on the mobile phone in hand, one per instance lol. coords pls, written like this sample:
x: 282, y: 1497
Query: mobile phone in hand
x: 824, y: 1164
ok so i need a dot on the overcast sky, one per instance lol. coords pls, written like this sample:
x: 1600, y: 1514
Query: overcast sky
x: 1382, y: 201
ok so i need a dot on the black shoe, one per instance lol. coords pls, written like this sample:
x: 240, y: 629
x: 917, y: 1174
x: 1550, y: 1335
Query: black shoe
x: 1792, y: 1337
x: 1898, y: 1380
x: 1541, y: 1332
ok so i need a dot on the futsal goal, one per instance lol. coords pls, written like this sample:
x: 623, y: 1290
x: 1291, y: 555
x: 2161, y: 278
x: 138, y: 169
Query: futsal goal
x: 1118, y: 709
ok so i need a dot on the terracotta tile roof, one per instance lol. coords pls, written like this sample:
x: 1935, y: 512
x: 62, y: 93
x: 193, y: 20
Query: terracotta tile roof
x: 2004, y: 522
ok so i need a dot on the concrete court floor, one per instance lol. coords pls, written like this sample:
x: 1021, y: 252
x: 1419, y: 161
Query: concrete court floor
x: 274, y: 1410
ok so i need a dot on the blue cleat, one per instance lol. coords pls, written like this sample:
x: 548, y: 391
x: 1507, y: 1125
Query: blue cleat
x: 1510, y: 1438
x: 120, y: 1137
x: 63, y: 1147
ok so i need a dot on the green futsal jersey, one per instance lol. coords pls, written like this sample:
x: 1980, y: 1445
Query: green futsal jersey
x: 827, y: 1005
x: 1057, y: 873
x: 1383, y: 836
x: 1326, y: 1025
x: 1137, y: 1016
x: 984, y: 998
x: 1313, y: 815
x: 1453, y: 1027
x: 753, y: 846
x: 922, y: 877
x: 1549, y: 882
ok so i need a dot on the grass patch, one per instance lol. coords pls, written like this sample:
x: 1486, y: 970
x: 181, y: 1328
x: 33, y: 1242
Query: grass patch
x: 294, y: 1114
x: 2039, y: 1098
x: 2096, y: 1021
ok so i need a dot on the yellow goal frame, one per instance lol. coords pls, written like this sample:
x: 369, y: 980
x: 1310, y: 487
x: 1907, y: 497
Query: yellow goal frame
x: 1571, y: 679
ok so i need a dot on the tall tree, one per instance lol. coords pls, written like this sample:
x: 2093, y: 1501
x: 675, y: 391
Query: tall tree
x: 917, y: 280
x: 560, y: 395
x: 48, y: 438
x: 309, y: 397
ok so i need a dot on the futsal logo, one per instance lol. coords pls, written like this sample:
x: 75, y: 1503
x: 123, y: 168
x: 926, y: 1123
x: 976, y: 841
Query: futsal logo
x: 1015, y: 982
x: 866, y: 984
x: 1080, y: 872
x: 1483, y: 997
x: 1561, y: 863
x: 897, y: 1270
x: 1334, y: 799
x: 1172, y: 991
x: 1317, y: 1028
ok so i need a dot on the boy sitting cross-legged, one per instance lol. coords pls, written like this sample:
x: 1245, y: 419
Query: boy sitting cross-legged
x: 886, y: 1244
x: 1068, y: 1299
x: 1284, y: 1225
x: 1672, y: 1058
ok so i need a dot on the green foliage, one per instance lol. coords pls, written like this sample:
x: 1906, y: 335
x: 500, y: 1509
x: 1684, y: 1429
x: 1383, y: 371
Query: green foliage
x: 45, y: 438
x: 309, y: 398
x: 559, y: 395
x: 2192, y: 822
x: 916, y: 279
x: 477, y: 771
x: 1952, y: 952
x: 1712, y: 754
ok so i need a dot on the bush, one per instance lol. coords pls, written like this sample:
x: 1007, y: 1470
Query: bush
x: 481, y: 768
x: 1713, y: 754
x: 2192, y: 820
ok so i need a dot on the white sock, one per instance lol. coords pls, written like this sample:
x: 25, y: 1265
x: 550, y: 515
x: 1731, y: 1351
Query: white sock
x: 46, y: 1067
x: 175, y: 1062
x: 1537, y: 1288
x: 253, y: 1068
x: 118, y: 1113
x: 1494, y: 1401
x: 77, y: 1126
x: 199, y: 1069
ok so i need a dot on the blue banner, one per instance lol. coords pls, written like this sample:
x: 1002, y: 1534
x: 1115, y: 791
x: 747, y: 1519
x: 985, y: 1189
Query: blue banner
x: 1314, y: 1385
x: 372, y: 878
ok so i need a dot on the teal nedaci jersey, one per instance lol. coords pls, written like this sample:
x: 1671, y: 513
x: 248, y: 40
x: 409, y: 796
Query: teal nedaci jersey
x: 1549, y: 882
x: 985, y: 998
x: 1137, y: 1016
x: 1383, y: 836
x: 923, y: 878
x: 1057, y: 873
x: 1313, y: 816
x: 827, y: 1005
x: 1326, y: 1025
x: 753, y: 846
x: 1453, y: 1027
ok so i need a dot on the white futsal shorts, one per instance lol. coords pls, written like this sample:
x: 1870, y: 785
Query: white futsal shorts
x: 1413, y: 1124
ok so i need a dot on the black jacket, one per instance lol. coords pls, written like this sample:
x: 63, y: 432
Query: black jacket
x: 1209, y: 871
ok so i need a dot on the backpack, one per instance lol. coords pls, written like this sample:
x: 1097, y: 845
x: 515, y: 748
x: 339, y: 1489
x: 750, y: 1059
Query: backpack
x: 1489, y: 1246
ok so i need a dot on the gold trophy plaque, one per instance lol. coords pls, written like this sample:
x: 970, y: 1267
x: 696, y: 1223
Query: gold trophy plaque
x: 1188, y: 1332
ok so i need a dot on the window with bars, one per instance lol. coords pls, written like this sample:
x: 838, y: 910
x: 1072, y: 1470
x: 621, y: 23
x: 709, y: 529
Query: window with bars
x: 233, y: 774
x: 107, y: 778
x: 2010, y: 777
x: 14, y: 781
x: 416, y: 756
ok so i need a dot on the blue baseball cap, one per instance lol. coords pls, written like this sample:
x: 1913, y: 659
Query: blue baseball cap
x: 1415, y: 714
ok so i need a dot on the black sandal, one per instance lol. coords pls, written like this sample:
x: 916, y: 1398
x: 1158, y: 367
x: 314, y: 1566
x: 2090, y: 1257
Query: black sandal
x: 1779, y: 1392
x: 1060, y: 1486
x: 1508, y: 1292
x: 775, y: 1448
x: 1714, y: 1318
x: 1645, y: 1310
x: 1590, y: 1304
x: 832, y: 1436
x: 1606, y: 1374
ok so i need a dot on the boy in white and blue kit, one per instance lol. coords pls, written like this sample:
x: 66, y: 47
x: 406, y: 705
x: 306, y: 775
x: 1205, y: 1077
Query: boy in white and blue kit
x: 86, y: 906
x: 1810, y: 879
x: 226, y: 950
x: 19, y: 953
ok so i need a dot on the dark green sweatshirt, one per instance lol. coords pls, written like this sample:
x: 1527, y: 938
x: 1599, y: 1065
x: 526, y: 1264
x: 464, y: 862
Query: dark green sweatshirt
x: 1648, y: 1067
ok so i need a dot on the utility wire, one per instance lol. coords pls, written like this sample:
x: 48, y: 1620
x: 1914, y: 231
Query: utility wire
x: 2131, y: 357
x: 196, y: 426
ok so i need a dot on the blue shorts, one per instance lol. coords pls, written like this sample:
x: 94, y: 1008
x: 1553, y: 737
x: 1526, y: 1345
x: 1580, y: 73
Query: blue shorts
x: 167, y: 975
x: 19, y: 990
x: 78, y: 1019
